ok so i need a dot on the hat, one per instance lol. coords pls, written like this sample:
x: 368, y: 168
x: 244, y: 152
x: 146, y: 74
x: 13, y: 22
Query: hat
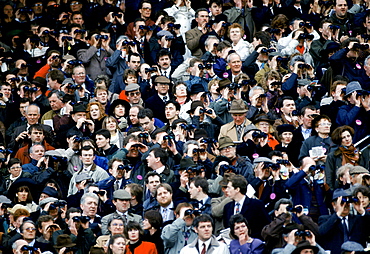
x: 225, y: 142
x: 121, y: 194
x: 47, y: 200
x: 23, y: 181
x: 220, y: 159
x: 194, y: 105
x: 162, y: 80
x: 68, y: 81
x: 162, y: 33
x: 200, y: 133
x: 238, y: 107
x: 102, y: 241
x: 291, y: 226
x: 16, y: 207
x: 79, y: 108
x: 351, y: 246
x: 39, y: 82
x: 223, y: 83
x: 340, y: 193
x: 5, y: 200
x: 132, y: 87
x: 263, y: 118
x: 358, y: 170
x: 353, y: 86
x: 196, y: 88
x: 186, y: 162
x: 303, y: 82
x: 262, y: 159
x: 297, y: 58
x: 117, y: 102
x: 68, y: 57
x: 225, y: 179
x: 51, y: 192
x: 330, y: 47
x: 285, y: 128
x: 82, y: 177
x: 64, y: 240
x: 303, y: 245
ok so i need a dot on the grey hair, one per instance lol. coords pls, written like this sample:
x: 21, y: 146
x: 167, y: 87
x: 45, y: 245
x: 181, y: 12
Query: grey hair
x: 187, y: 143
x: 36, y: 144
x: 89, y: 195
x: 38, y: 108
x: 229, y: 56
x: 366, y: 61
x: 209, y: 38
x: 255, y: 88
x: 122, y: 38
x: 342, y: 169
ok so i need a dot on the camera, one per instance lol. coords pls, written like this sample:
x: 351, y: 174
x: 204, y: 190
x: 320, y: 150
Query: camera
x: 190, y: 212
x: 326, y: 3
x: 262, y: 95
x: 304, y: 66
x: 169, y: 38
x: 118, y: 15
x: 6, y: 205
x: 143, y: 135
x: 234, y: 86
x: 35, y: 39
x: 274, y: 31
x: 82, y: 219
x: 142, y: 27
x: 276, y: 84
x: 80, y: 31
x: 226, y: 169
x: 55, y: 57
x: 99, y: 193
x: 29, y: 89
x: 67, y: 38
x: 273, y: 166
x: 285, y: 162
x: 151, y: 69
x: 302, y: 233
x: 15, y: 79
x: 209, y: 140
x: 306, y: 25
x: 311, y: 87
x: 349, y: 200
x: 226, y: 24
x: 208, y: 65
x: 259, y: 134
x: 46, y: 32
x: 188, y: 127
x: 362, y: 93
x: 266, y: 51
x: 28, y: 248
x: 199, y: 150
x: 195, y: 170
x: 55, y: 205
x: 8, y: 151
x: 101, y: 37
x: 334, y: 27
x: 172, y: 25
x: 75, y: 62
x: 168, y: 137
x: 74, y: 86
x: 282, y: 59
x: 58, y: 159
x: 295, y: 113
x: 137, y: 145
x: 63, y: 31
x: 25, y: 10
x: 358, y: 46
x: 248, y: 82
x: 297, y: 209
x: 317, y: 168
x: 124, y: 167
x: 207, y: 111
x: 25, y: 65
x: 129, y: 43
x: 201, y: 66
x: 80, y: 139
x: 305, y: 36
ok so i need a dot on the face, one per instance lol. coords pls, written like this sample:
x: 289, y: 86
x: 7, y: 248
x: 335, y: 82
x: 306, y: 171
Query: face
x: 307, y: 118
x: 94, y: 112
x: 79, y: 75
x: 37, y: 136
x: 164, y: 62
x: 235, y: 34
x: 133, y: 234
x: 78, y: 19
x: 146, y: 224
x: 202, y: 18
x: 162, y: 88
x: 363, y: 199
x: 75, y: 6
x: 116, y: 227
x: 204, y: 230
x: 78, y: 115
x: 323, y: 126
x: 235, y: 63
x: 29, y: 231
x: 146, y: 10
x: 214, y: 87
x: 240, y: 229
x: 32, y: 115
x: 20, y: 243
x: 164, y: 197
x: 181, y: 91
x: 90, y: 207
x: 87, y: 157
x: 55, y: 102
x: 111, y: 125
x: 286, y: 137
x: 44, y: 230
x: 22, y: 195
x: 8, y: 10
x: 118, y: 246
x: 19, y: 221
x: 229, y: 152
x: 341, y: 8
x: 133, y: 115
x: 215, y: 9
x: 288, y: 107
x: 101, y: 141
x: 153, y: 181
x: 152, y: 160
x: 6, y: 90
x: 147, y: 124
x: 122, y: 205
x: 346, y: 139
x: 264, y: 127
x: 170, y: 111
x: 102, y: 96
x: 307, y: 251
x: 231, y: 192
x: 193, y: 191
x: 238, y: 118
x: 134, y: 62
x: 15, y: 170
x: 134, y: 96
x: 37, y: 152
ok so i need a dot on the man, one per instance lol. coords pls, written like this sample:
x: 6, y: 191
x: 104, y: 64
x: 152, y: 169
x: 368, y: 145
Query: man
x: 28, y: 233
x: 53, y: 62
x: 342, y: 226
x: 163, y: 194
x: 286, y: 108
x: 22, y: 120
x: 206, y: 242
x: 157, y: 102
x: 80, y: 124
x: 164, y: 61
x: 81, y: 79
x: 152, y: 180
x: 89, y: 208
x: 102, y: 138
x: 46, y: 227
x: 196, y: 74
x: 180, y: 232
x: 133, y: 94
x: 55, y: 79
x: 21, y: 133
x: 145, y: 10
x: 146, y: 120
x: 88, y: 166
x: 259, y: 105
x: 38, y: 96
x: 341, y: 17
x: 133, y: 115
x: 252, y: 209
x: 157, y: 160
x: 193, y: 36
x: 198, y: 190
x: 240, y: 124
x: 121, y: 200
x: 172, y: 111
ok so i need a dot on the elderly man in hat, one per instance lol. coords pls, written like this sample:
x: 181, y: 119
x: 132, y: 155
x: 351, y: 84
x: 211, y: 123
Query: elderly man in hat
x: 222, y: 105
x: 196, y: 70
x: 356, y: 113
x: 157, y: 102
x: 342, y: 226
x: 80, y: 124
x: 133, y: 94
x: 38, y: 96
x: 240, y: 124
x: 121, y: 200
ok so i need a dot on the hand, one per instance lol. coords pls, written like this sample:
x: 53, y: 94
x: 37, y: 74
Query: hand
x: 359, y: 208
x: 40, y: 161
x: 225, y: 93
x: 22, y: 135
x: 91, y: 125
x: 311, y: 239
x: 184, y: 179
x: 264, y: 106
x: 110, y: 17
x: 340, y: 206
x: 365, y: 102
x: 291, y: 237
x: 259, y: 171
x: 300, y: 213
x: 121, y: 20
x: 159, y: 19
x: 356, y: 99
x: 81, y: 185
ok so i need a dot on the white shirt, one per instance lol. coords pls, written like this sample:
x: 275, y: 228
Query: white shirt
x: 241, y: 202
x: 200, y: 244
x: 160, y: 170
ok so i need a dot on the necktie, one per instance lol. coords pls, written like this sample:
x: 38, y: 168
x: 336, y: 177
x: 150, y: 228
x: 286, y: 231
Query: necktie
x: 164, y: 99
x: 299, y: 9
x: 239, y: 129
x: 262, y: 66
x: 237, y: 207
x: 200, y: 204
x: 116, y: 185
x: 186, y: 236
x: 164, y: 214
x: 204, y: 249
x: 165, y: 74
x: 345, y: 230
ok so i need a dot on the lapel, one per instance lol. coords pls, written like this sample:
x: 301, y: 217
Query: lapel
x: 245, y: 205
x: 351, y: 222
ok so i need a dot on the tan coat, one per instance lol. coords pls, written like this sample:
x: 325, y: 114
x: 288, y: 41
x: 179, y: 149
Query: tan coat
x: 230, y: 130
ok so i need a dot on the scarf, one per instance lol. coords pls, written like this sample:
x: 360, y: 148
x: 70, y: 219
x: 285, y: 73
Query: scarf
x: 349, y: 155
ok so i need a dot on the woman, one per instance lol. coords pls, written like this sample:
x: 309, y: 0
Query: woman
x: 152, y: 229
x: 134, y: 233
x: 96, y: 113
x: 213, y: 94
x: 285, y: 137
x: 117, y: 244
x: 345, y: 153
x: 271, y: 82
x: 242, y: 47
x: 363, y: 194
x: 119, y: 109
x: 243, y: 243
x: 115, y: 227
x: 116, y: 137
x: 23, y: 196
x: 180, y: 92
x: 264, y: 124
x: 319, y: 145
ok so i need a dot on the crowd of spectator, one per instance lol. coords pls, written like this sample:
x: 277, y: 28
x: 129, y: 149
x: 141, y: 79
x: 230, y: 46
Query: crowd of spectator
x: 180, y: 127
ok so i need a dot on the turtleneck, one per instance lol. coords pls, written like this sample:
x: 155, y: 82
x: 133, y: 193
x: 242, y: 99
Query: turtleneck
x: 133, y: 246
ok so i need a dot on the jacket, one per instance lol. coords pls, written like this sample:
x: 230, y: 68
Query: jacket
x: 255, y: 247
x: 142, y: 248
x: 315, y: 141
x: 192, y: 41
x: 105, y: 220
x: 242, y: 17
x: 215, y: 247
x: 229, y: 130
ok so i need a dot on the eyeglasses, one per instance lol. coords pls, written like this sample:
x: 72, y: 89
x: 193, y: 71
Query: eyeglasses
x: 146, y: 8
x: 227, y: 147
x: 79, y: 74
x: 134, y: 94
x: 36, y: 5
x: 325, y: 124
x: 180, y: 87
x: 30, y: 229
x: 76, y: 3
x: 16, y: 167
x: 117, y: 224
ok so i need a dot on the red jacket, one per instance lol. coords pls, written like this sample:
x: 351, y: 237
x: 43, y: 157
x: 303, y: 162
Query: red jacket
x: 143, y: 248
x: 23, y: 153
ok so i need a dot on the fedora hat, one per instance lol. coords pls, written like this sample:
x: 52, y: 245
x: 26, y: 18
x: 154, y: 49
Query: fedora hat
x: 238, y: 107
x: 225, y: 142
x: 223, y: 83
x: 303, y: 245
x: 263, y: 118
x: 78, y: 107
x: 64, y: 240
